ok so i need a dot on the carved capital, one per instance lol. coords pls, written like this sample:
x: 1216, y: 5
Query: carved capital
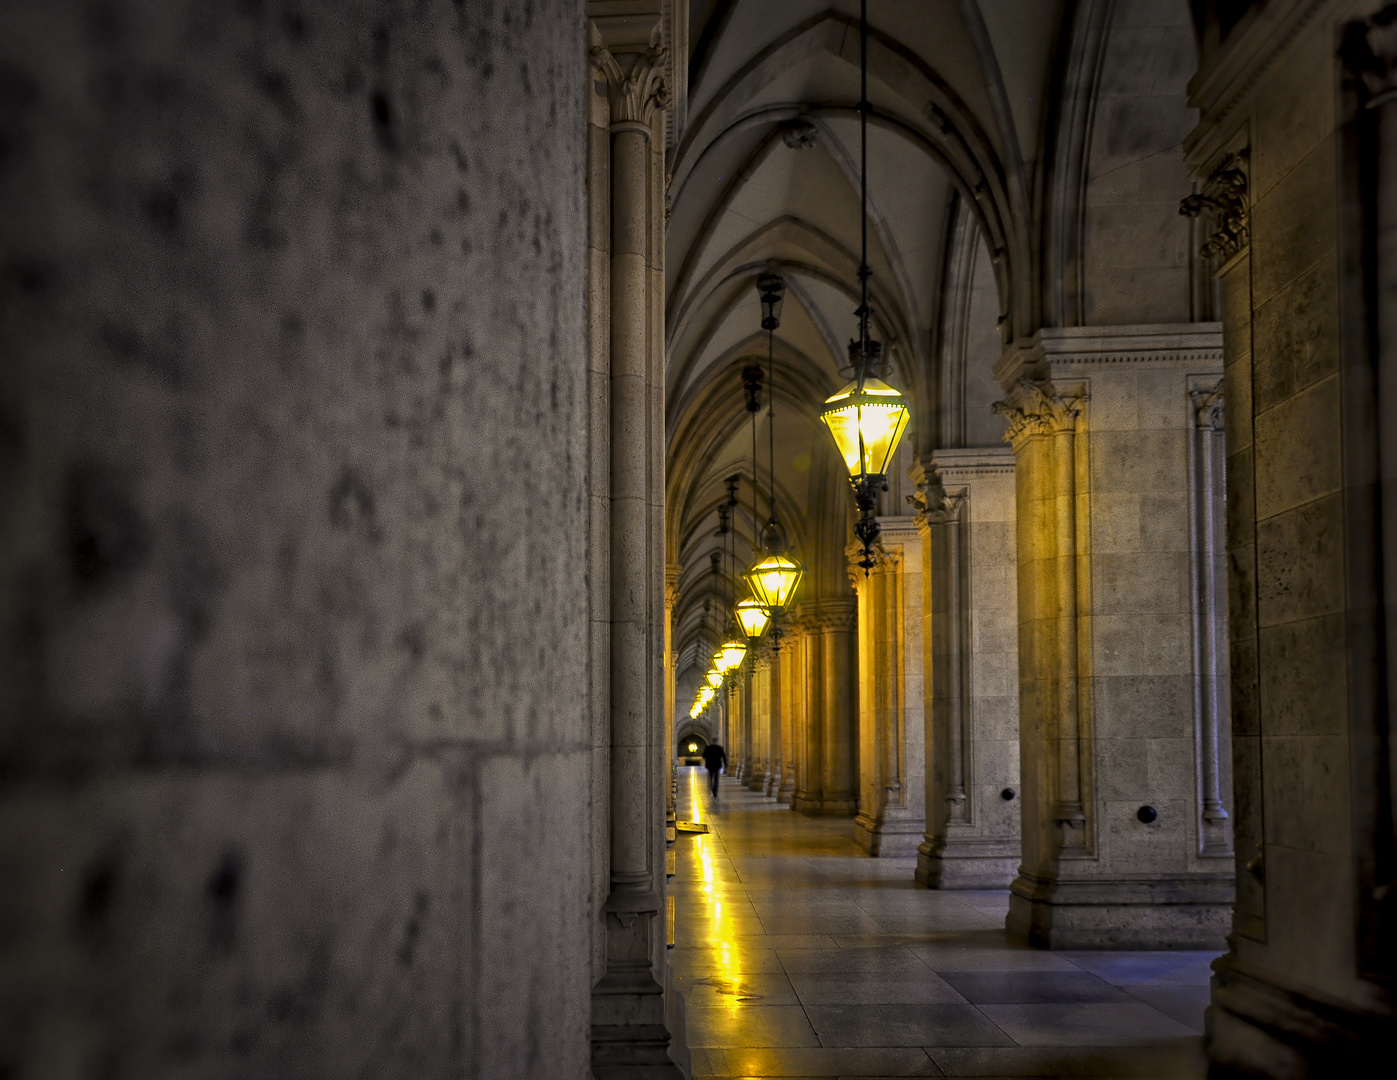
x: 933, y: 503
x: 672, y: 573
x: 637, y: 91
x: 1207, y: 405
x: 1223, y: 201
x: 1035, y: 408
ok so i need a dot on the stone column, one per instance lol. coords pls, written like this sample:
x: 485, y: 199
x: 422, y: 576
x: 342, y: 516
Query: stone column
x: 831, y: 723
x: 892, y: 805
x: 759, y: 683
x: 806, y: 797
x: 966, y: 519
x: 1100, y: 420
x: 629, y: 1026
x: 775, y: 722
x: 672, y: 572
x: 790, y: 706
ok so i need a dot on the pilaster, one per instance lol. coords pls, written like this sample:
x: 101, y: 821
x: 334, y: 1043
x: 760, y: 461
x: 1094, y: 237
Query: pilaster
x: 966, y: 518
x: 1117, y: 850
x: 892, y: 807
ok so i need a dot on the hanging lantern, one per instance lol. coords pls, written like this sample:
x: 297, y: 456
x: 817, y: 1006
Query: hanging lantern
x: 733, y: 651
x: 714, y: 677
x: 773, y: 580
x: 867, y: 423
x: 752, y: 616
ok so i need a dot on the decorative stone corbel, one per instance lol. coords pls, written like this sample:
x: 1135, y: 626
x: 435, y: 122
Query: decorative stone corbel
x: 1040, y: 410
x: 1224, y: 200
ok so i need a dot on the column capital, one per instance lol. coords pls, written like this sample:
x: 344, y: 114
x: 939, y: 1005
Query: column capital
x: 840, y: 614
x: 1208, y: 404
x: 1222, y: 199
x: 636, y: 83
x: 672, y: 574
x: 1034, y: 407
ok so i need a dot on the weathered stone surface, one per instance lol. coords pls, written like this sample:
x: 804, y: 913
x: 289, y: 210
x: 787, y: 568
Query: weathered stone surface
x: 295, y: 511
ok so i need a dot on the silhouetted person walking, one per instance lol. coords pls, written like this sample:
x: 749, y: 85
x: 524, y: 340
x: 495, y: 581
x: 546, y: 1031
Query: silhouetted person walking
x: 716, y: 759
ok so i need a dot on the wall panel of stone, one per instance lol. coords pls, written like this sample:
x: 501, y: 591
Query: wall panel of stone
x: 294, y: 489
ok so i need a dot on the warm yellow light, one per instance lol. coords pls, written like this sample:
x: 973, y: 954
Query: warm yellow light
x: 752, y: 616
x: 714, y: 677
x: 733, y: 651
x: 866, y: 424
x: 774, y: 580
x: 693, y: 748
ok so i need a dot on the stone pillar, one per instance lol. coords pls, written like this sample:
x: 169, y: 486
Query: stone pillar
x: 831, y: 725
x: 775, y: 725
x: 1101, y: 419
x: 892, y: 799
x: 759, y: 684
x: 629, y: 1026
x: 790, y: 705
x: 966, y: 520
x: 672, y: 572
x: 810, y: 687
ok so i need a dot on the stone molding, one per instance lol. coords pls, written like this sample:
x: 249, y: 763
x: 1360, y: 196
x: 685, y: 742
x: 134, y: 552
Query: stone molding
x: 1223, y: 200
x: 831, y: 615
x: 1061, y: 350
x: 1036, y: 408
x: 1234, y: 70
x: 638, y: 93
x: 672, y: 575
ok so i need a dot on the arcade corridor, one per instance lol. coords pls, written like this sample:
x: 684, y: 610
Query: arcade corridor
x: 797, y: 955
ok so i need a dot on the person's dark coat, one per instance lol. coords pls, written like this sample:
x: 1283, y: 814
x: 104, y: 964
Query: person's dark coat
x: 715, y: 757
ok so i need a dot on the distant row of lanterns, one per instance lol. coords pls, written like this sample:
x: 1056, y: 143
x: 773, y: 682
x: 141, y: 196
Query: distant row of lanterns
x: 866, y: 418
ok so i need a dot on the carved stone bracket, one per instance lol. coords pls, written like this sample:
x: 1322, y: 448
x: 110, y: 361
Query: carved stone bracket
x: 931, y: 501
x: 635, y: 94
x: 1208, y: 403
x: 1224, y: 200
x: 1039, y: 410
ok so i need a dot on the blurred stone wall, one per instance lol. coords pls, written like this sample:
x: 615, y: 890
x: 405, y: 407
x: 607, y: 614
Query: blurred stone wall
x: 294, y: 769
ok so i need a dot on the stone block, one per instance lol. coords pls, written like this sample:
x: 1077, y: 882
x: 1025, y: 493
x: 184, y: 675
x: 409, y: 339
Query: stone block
x: 1115, y: 523
x: 1303, y: 677
x: 1164, y: 522
x: 1298, y: 449
x: 1297, y: 335
x: 1293, y: 224
x: 1167, y: 644
x: 1115, y: 402
x: 1146, y: 584
x: 1145, y: 706
x: 1299, y: 562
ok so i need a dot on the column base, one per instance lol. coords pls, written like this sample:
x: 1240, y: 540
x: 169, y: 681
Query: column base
x: 630, y: 1039
x: 1257, y: 1028
x: 773, y: 783
x: 818, y: 805
x: 1155, y: 912
x: 946, y: 863
x: 889, y: 838
x: 788, y: 789
x: 756, y: 778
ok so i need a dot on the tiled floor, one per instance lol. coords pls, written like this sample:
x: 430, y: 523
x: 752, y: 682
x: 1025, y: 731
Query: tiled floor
x: 799, y: 957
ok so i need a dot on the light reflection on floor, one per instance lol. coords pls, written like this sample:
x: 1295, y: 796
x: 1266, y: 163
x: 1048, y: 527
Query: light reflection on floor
x: 799, y: 957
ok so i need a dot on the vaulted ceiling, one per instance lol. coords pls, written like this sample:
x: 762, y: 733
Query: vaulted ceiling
x: 764, y: 167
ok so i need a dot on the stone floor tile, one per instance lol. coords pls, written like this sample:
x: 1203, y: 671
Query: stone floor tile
x: 1032, y: 987
x: 886, y: 961
x: 749, y: 988
x: 943, y: 957
x: 1189, y: 968
x: 749, y: 1026
x: 873, y: 988
x: 904, y: 1025
x: 1181, y: 1059
x: 827, y: 1062
x: 707, y: 960
x: 1182, y: 1003
x: 1096, y: 1024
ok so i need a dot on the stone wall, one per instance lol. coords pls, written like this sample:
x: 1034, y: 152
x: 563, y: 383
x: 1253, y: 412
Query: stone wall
x: 294, y: 478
